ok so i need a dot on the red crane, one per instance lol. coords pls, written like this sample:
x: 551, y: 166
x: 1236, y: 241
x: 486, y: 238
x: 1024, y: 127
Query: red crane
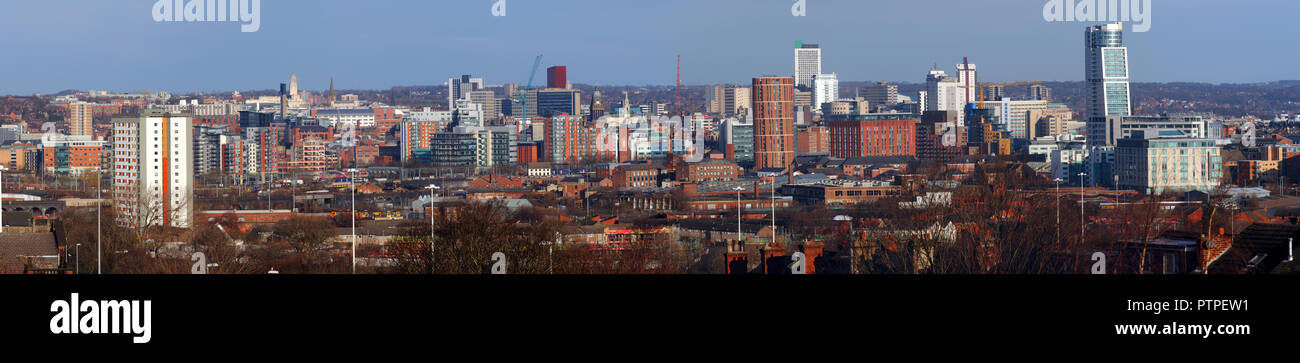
x: 679, y: 85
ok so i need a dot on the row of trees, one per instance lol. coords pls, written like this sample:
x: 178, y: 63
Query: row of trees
x: 1011, y: 223
x: 532, y: 239
x: 460, y: 244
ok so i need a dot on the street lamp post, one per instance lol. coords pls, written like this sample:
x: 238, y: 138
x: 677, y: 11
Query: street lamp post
x: 1058, y: 210
x: 2, y: 193
x: 773, y: 212
x: 352, y: 181
x: 432, y: 224
x: 99, y: 223
x: 1082, y: 222
x: 77, y: 256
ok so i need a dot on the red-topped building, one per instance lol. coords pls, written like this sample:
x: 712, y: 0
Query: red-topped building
x: 882, y: 134
x: 557, y: 77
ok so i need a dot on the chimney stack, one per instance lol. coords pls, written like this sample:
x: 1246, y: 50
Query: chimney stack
x: 774, y: 260
x: 811, y: 252
x: 737, y: 259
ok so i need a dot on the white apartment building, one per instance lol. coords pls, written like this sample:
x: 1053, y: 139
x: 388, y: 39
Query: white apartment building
x: 459, y: 88
x: 826, y: 89
x: 196, y: 109
x: 923, y: 101
x: 967, y: 79
x: 361, y: 117
x: 807, y: 63
x: 944, y: 93
x: 153, y: 176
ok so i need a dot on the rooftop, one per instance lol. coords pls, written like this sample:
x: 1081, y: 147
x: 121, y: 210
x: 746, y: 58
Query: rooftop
x: 15, y: 246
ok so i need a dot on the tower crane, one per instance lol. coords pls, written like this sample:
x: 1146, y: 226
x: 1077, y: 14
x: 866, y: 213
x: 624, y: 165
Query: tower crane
x: 679, y: 87
x: 522, y: 95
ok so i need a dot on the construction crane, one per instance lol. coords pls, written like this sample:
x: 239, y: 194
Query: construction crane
x: 679, y: 85
x: 522, y: 95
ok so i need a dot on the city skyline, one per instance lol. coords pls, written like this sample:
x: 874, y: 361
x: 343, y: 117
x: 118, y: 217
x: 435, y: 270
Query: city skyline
x: 102, y: 45
x: 147, y: 155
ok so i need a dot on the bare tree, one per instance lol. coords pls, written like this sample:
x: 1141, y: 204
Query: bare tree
x: 306, y: 236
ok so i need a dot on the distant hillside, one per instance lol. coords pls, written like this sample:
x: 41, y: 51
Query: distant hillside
x: 1263, y: 100
x: 1232, y: 100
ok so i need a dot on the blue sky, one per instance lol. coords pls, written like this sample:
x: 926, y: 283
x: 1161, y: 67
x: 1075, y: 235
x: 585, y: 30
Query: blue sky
x: 52, y: 45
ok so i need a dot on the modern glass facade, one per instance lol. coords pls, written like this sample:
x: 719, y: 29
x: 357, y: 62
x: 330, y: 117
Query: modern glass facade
x: 452, y: 150
x: 741, y: 137
x: 475, y: 147
x: 1107, y: 77
x: 558, y: 102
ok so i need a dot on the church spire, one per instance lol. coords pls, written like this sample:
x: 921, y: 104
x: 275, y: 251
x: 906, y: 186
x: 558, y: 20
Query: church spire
x: 332, y: 95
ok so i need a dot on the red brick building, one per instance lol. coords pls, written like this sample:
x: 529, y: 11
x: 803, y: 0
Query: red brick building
x: 527, y: 153
x: 814, y: 140
x: 230, y: 120
x: 749, y: 202
x: 708, y: 170
x: 82, y: 155
x: 872, y: 135
x: 571, y: 139
x: 774, y: 137
x: 496, y: 181
x: 269, y: 149
x: 366, y: 155
x: 637, y: 176
x: 841, y: 193
x: 934, y: 127
x: 298, y: 134
x: 96, y: 109
x: 386, y: 119
x: 244, y: 220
